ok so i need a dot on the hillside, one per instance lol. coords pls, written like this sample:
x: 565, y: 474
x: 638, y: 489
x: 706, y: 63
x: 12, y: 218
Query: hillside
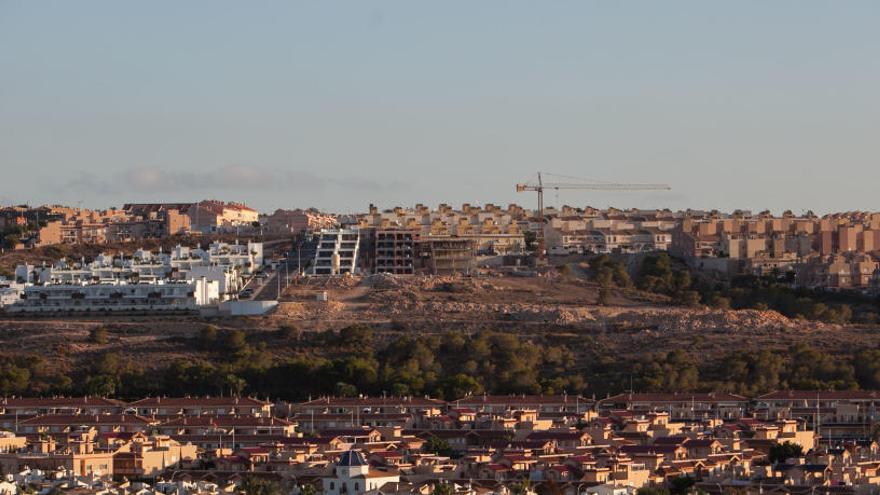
x: 633, y: 333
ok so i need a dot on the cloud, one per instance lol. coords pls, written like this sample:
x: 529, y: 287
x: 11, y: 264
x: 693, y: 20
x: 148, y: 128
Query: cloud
x: 236, y: 177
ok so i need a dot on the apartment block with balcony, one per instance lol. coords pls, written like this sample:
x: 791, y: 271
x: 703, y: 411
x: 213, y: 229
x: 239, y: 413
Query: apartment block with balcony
x: 184, y: 279
x: 395, y: 251
x: 337, y: 252
x: 159, y: 296
x: 444, y: 255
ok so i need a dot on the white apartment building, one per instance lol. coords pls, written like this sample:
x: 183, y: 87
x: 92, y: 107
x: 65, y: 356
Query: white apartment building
x: 185, y: 278
x: 246, y: 257
x: 626, y: 241
x: 117, y: 296
x: 631, y: 233
x: 337, y: 252
x: 9, y: 293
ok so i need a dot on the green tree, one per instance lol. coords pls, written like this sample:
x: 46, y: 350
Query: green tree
x: 813, y: 369
x: 681, y: 485
x: 100, y: 385
x: 676, y: 370
x: 621, y: 276
x: 253, y: 485
x: 234, y: 384
x: 441, y: 488
x: 99, y: 336
x: 655, y: 274
x: 11, y: 240
x: 549, y: 487
x: 652, y: 490
x: 343, y: 389
x: 875, y: 431
x: 719, y: 301
x: 208, y: 336
x: 13, y: 379
x: 460, y: 385
x: 867, y: 368
x: 780, y: 452
x: 530, y: 239
x: 689, y: 298
x: 839, y: 314
x: 437, y: 446
x: 289, y: 332
x: 308, y: 489
x: 520, y: 488
x: 360, y: 336
x: 681, y: 280
x: 604, y: 296
x: 605, y: 276
x: 235, y: 341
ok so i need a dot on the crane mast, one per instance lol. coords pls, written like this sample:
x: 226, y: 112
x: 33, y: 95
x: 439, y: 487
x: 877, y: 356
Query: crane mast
x: 541, y: 186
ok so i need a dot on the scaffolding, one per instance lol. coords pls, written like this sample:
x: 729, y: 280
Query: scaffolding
x: 446, y: 255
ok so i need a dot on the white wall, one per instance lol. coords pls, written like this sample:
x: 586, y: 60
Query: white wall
x: 246, y: 308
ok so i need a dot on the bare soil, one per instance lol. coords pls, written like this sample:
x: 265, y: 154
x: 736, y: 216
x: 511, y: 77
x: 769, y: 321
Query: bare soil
x: 556, y: 307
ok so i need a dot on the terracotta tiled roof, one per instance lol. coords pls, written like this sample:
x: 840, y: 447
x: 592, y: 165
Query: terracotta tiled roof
x: 674, y: 397
x: 676, y: 440
x: 86, y: 420
x: 822, y: 395
x: 648, y: 449
x: 374, y: 401
x: 521, y: 399
x: 557, y: 435
x: 198, y: 401
x: 225, y: 420
x: 50, y: 402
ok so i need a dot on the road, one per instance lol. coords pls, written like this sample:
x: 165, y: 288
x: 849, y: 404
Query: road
x: 267, y: 290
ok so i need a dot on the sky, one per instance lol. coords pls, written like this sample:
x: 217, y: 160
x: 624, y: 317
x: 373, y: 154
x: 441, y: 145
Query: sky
x: 339, y: 104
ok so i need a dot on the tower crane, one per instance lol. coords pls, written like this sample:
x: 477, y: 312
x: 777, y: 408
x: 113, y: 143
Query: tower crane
x: 541, y: 186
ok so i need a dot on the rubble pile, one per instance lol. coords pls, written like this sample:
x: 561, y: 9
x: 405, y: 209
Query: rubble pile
x: 340, y: 283
x: 702, y: 320
x: 309, y: 310
x: 410, y: 303
x: 385, y: 281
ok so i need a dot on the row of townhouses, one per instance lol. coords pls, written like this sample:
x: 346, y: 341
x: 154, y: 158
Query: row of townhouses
x: 836, y: 251
x: 48, y: 225
x: 480, y: 444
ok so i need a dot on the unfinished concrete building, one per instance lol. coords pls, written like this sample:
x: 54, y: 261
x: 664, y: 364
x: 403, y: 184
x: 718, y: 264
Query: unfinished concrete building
x: 337, y: 252
x: 394, y: 251
x: 445, y: 255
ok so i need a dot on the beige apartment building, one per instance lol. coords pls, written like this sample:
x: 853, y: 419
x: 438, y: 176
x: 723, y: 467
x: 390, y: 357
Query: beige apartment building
x: 78, y: 226
x: 296, y: 221
x: 490, y: 228
x: 149, y: 456
x: 837, y: 251
x: 217, y: 216
x: 136, y: 221
x: 571, y: 231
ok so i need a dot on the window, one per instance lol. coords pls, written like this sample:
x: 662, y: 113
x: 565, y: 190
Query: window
x: 357, y: 486
x: 332, y: 485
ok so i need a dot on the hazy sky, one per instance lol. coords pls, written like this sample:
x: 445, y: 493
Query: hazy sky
x: 765, y: 104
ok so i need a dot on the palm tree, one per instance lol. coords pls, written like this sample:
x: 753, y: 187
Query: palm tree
x: 253, y: 485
